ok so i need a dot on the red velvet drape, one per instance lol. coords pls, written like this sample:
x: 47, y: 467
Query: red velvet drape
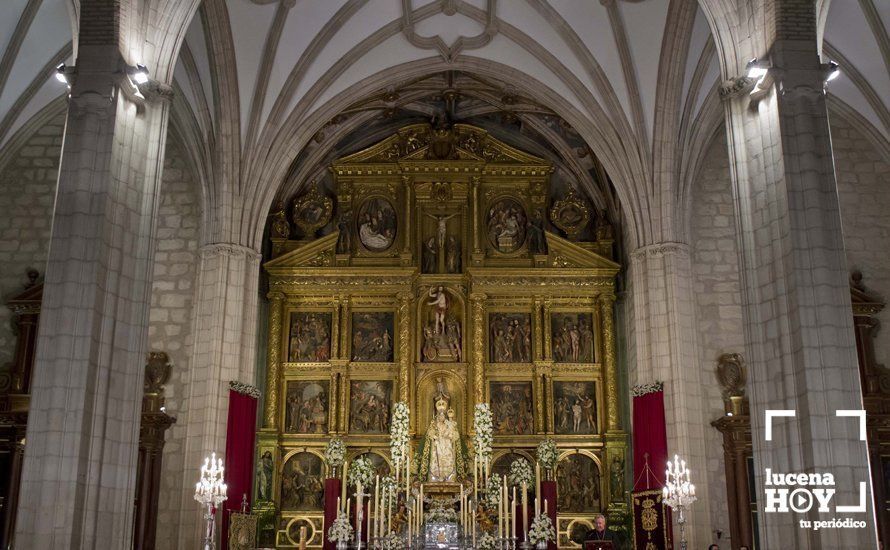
x: 649, y: 438
x: 548, y: 495
x: 650, y: 456
x: 332, y: 488
x: 240, y: 437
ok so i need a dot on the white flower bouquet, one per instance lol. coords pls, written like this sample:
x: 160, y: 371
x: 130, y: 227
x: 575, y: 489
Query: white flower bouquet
x: 361, y: 472
x: 341, y: 530
x: 482, y: 426
x: 388, y: 487
x: 486, y: 542
x: 391, y: 541
x: 398, y: 432
x: 493, y: 491
x: 541, y: 530
x: 335, y: 452
x: 547, y: 454
x: 441, y: 515
x: 521, y: 472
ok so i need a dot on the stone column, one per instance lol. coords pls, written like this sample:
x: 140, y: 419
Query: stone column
x: 664, y: 338
x: 78, y: 479
x: 800, y: 340
x: 225, y: 312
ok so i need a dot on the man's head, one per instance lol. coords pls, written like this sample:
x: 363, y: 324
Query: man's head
x: 713, y: 547
x: 600, y: 522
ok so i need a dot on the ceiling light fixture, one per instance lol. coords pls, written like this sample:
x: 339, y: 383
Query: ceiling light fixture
x: 757, y: 69
x: 833, y: 71
x: 140, y: 74
x: 62, y: 74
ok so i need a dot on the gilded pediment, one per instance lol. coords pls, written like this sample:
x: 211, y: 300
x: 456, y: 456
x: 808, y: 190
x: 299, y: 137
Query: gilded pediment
x: 563, y: 253
x: 424, y: 143
x: 318, y: 253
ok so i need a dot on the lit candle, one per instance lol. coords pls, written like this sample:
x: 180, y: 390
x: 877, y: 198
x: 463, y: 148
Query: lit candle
x: 537, y: 479
x: 348, y: 504
x: 338, y: 506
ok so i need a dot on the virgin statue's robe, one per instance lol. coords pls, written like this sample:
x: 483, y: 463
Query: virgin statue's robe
x: 445, y: 447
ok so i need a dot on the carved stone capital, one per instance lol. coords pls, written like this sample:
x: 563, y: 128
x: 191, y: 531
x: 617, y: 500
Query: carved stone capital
x: 736, y: 87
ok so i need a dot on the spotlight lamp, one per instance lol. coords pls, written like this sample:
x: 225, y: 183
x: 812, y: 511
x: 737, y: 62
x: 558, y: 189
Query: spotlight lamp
x: 832, y: 70
x: 62, y: 74
x: 757, y: 69
x: 140, y: 74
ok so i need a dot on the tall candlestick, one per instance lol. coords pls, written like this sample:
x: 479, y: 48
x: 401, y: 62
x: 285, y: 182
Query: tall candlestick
x: 338, y: 505
x: 377, y: 506
x: 524, y: 511
x: 343, y: 484
x: 537, y: 479
x: 348, y: 504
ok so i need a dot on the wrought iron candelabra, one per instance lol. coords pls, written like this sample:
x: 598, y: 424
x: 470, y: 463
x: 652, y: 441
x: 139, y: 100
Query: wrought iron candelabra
x: 679, y: 493
x: 210, y: 491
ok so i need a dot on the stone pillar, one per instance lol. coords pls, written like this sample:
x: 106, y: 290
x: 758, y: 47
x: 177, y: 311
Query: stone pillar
x: 78, y: 479
x: 666, y: 349
x: 800, y: 342
x: 225, y: 313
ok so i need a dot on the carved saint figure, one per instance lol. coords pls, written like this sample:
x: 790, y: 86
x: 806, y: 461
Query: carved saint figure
x: 440, y: 307
x: 441, y: 227
x: 264, y: 476
x: 443, y: 456
x: 430, y: 255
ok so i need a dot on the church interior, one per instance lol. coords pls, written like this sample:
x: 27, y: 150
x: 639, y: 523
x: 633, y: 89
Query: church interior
x: 395, y: 274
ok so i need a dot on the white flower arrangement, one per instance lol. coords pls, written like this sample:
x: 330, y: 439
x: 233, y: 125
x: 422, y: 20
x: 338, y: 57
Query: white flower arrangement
x: 486, y: 542
x: 335, y: 452
x: 341, y: 530
x: 541, y: 530
x: 521, y: 472
x: 482, y: 426
x: 391, y: 541
x: 398, y: 432
x: 388, y: 487
x: 493, y: 490
x: 361, y: 472
x: 547, y: 454
x: 441, y: 515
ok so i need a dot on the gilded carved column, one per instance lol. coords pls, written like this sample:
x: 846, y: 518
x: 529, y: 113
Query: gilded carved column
x: 408, y: 183
x: 538, y: 321
x: 478, y: 303
x: 475, y: 181
x: 273, y: 370
x: 404, y: 346
x: 332, y: 411
x: 610, y: 367
x: 344, y: 396
x: 548, y: 394
x: 548, y: 340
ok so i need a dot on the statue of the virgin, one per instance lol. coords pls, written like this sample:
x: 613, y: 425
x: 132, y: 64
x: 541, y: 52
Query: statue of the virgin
x: 443, y: 454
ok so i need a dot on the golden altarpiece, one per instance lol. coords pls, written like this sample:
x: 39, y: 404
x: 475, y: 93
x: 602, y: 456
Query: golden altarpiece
x: 441, y: 277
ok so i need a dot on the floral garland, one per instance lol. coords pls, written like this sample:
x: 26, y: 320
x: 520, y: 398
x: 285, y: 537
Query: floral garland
x: 486, y: 542
x: 642, y: 389
x: 398, y: 432
x: 482, y: 426
x: 541, y: 530
x: 335, y: 452
x: 361, y: 472
x: 244, y: 389
x: 340, y: 530
x: 493, y: 490
x: 547, y: 454
x: 521, y: 472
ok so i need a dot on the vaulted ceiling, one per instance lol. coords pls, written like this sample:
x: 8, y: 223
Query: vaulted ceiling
x: 275, y: 68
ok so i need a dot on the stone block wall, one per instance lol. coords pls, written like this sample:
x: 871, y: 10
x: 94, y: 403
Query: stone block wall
x: 718, y: 301
x: 171, y: 319
x: 863, y: 179
x: 27, y: 191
